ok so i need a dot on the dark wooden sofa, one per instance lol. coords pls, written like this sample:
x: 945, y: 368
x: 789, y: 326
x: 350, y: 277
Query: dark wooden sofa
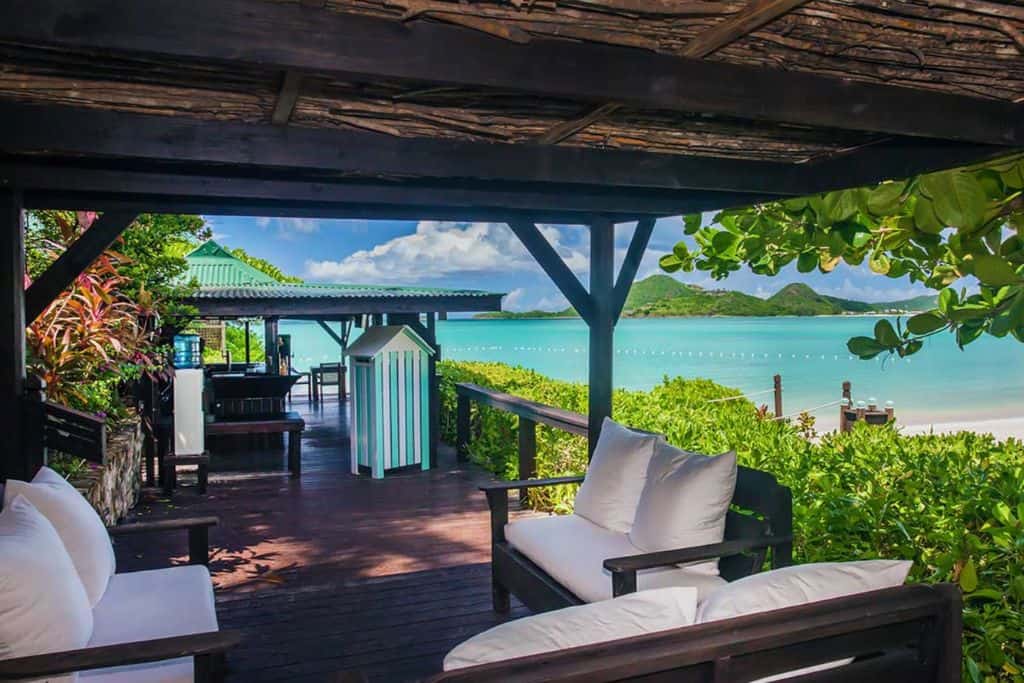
x: 910, y: 634
x: 207, y: 649
x: 760, y: 523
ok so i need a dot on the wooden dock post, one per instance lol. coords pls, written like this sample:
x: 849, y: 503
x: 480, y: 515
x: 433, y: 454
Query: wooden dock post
x: 844, y: 425
x: 778, y: 396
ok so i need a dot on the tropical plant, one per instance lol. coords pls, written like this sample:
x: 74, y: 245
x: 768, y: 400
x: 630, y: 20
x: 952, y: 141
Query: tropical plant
x: 953, y: 503
x: 944, y: 230
x: 94, y: 336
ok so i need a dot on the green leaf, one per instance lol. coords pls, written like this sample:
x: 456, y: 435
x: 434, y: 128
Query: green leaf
x: 807, y: 261
x: 994, y: 271
x: 947, y: 299
x: 884, y: 200
x: 969, y: 577
x: 879, y: 263
x: 972, y: 670
x: 724, y: 243
x: 925, y: 323
x: 670, y: 263
x: 681, y: 251
x: 957, y: 197
x: 691, y: 223
x: 840, y: 205
x: 864, y: 347
x: 925, y: 218
x: 885, y: 335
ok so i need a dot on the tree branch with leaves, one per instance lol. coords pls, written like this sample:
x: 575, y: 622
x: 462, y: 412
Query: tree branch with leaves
x: 957, y: 232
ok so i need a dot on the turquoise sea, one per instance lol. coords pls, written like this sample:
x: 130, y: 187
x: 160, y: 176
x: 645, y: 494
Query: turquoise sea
x: 939, y: 384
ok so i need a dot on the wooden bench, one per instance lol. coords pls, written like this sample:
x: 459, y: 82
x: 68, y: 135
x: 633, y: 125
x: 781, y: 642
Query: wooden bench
x: 289, y: 422
x: 170, y: 463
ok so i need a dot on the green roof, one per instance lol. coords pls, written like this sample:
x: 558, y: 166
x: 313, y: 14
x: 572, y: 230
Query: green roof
x: 211, y: 265
x: 222, y: 276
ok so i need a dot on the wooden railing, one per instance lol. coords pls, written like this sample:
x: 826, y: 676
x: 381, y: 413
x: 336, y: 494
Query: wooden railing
x: 530, y: 414
x: 52, y: 426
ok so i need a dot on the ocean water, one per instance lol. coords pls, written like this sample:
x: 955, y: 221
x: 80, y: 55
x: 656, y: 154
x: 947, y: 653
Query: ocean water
x: 939, y: 384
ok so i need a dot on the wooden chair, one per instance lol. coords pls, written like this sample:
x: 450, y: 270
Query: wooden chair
x: 331, y: 375
x: 910, y: 634
x: 761, y: 520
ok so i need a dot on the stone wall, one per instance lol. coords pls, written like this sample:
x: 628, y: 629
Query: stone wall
x: 113, y: 489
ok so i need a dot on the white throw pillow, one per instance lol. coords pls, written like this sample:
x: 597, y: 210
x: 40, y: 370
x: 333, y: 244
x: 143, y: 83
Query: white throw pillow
x: 43, y: 606
x: 631, y: 615
x: 799, y: 585
x: 684, y: 502
x: 615, y: 477
x: 80, y: 528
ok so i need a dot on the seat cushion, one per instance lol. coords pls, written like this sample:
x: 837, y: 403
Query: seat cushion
x: 684, y: 502
x: 573, y: 550
x: 598, y: 622
x: 799, y: 585
x: 615, y: 477
x: 80, y: 528
x: 43, y: 605
x: 159, y: 603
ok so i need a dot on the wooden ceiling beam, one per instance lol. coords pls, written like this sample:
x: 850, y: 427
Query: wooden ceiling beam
x: 458, y: 172
x: 729, y: 30
x: 291, y: 85
x: 285, y: 37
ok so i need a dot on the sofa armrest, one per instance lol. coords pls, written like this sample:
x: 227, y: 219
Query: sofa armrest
x: 624, y: 569
x: 198, y: 533
x: 530, y: 483
x: 497, y: 499
x: 203, y: 646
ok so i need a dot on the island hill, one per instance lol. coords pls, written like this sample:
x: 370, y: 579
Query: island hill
x: 661, y: 296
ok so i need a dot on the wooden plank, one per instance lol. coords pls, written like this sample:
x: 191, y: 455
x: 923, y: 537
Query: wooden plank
x: 12, y: 334
x: 630, y: 264
x: 75, y: 260
x: 284, y: 36
x: 757, y: 14
x: 552, y: 264
x: 602, y: 328
x: 291, y: 85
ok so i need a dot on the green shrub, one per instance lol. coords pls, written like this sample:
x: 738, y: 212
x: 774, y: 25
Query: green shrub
x: 953, y: 504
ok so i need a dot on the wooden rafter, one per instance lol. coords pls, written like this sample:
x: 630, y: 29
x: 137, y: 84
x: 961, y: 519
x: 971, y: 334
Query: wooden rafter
x: 291, y: 85
x: 757, y: 14
x: 552, y: 264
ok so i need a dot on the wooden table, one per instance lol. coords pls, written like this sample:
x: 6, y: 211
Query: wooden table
x: 290, y: 422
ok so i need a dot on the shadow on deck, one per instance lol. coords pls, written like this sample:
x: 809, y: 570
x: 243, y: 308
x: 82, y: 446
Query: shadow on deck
x: 331, y: 572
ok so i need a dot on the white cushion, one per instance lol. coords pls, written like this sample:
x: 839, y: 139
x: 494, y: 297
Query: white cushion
x: 573, y: 550
x: 160, y: 603
x: 799, y: 585
x: 615, y: 477
x: 43, y: 606
x: 630, y: 615
x: 80, y: 528
x: 684, y: 502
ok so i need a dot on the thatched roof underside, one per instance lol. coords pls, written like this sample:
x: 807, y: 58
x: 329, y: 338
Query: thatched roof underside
x: 967, y: 47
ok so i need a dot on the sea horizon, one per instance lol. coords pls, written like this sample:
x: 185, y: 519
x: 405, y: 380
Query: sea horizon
x: 940, y: 384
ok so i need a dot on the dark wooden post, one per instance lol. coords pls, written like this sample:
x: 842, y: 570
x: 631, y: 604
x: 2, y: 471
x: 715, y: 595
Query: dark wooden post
x: 435, y: 390
x: 12, y: 334
x: 248, y: 353
x: 270, y: 343
x: 35, y: 424
x: 462, y: 428
x: 602, y: 326
x: 843, y: 424
x: 778, y: 395
x: 527, y: 452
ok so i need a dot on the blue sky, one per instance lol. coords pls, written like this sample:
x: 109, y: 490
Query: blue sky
x: 488, y: 256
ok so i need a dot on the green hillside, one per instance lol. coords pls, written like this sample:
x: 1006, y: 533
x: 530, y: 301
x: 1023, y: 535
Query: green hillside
x: 662, y: 296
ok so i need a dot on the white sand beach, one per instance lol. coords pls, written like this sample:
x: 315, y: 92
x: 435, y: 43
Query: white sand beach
x: 1002, y: 428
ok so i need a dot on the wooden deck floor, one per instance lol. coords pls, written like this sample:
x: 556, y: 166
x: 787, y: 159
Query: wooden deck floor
x: 332, y: 572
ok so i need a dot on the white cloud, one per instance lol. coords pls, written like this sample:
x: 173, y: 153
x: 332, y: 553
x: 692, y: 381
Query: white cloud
x: 513, y: 300
x: 288, y: 227
x: 443, y: 249
x: 556, y: 302
x: 862, y: 292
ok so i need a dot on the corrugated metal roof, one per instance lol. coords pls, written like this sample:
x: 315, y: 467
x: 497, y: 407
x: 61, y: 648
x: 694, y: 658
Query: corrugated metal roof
x: 223, y: 276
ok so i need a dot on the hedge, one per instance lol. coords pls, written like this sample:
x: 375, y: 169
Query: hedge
x: 954, y: 504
